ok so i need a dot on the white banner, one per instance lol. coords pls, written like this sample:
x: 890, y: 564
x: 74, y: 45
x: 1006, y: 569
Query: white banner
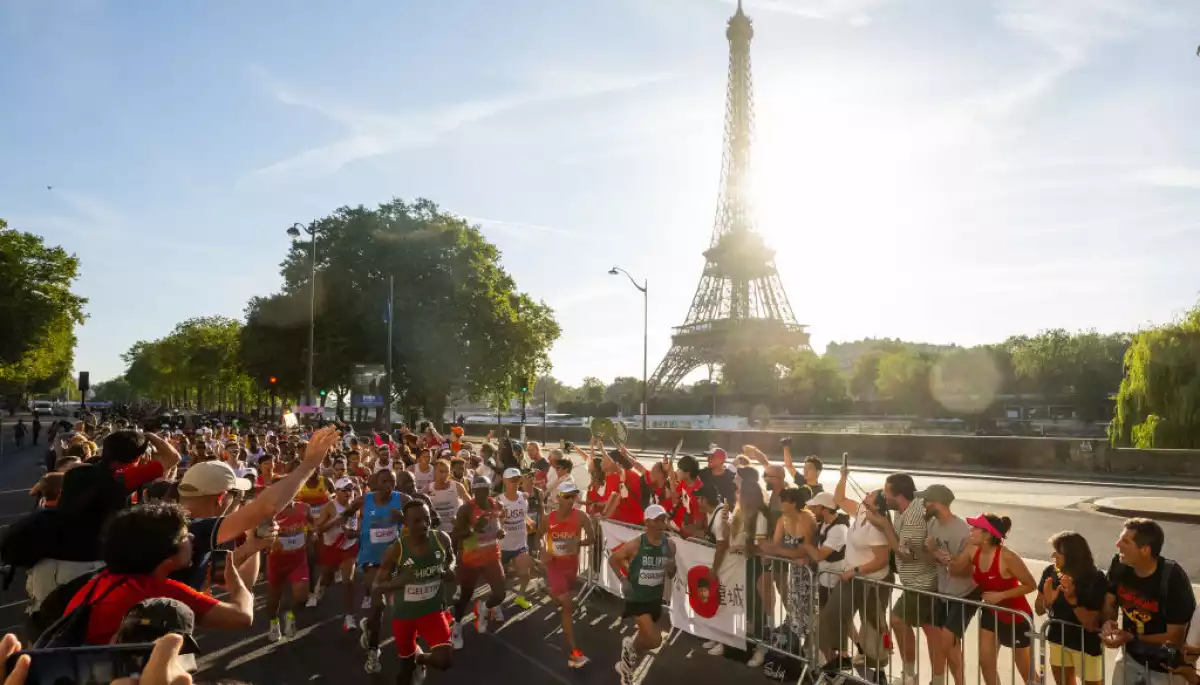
x: 712, y: 608
x: 614, y: 535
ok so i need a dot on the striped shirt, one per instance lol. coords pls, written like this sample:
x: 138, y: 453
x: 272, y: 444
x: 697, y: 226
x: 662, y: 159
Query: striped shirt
x: 911, y: 528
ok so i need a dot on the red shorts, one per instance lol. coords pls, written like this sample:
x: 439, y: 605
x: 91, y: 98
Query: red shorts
x: 561, y: 574
x: 434, y: 629
x: 289, y: 568
x: 333, y: 556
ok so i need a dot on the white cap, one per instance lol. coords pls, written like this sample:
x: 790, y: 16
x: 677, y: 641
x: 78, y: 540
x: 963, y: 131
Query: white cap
x: 822, y: 499
x: 567, y: 487
x: 211, y: 478
x: 512, y: 473
x: 655, y: 511
x: 343, y: 483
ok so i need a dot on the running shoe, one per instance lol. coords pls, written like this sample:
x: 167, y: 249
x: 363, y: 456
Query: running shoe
x: 717, y: 650
x: 364, y: 640
x: 760, y: 656
x: 520, y: 601
x: 708, y: 644
x: 481, y: 616
x: 312, y: 601
x: 418, y: 676
x: 289, y: 625
x: 495, y: 615
x: 628, y: 654
x: 366, y: 602
x: 274, y: 634
x: 577, y: 659
x: 348, y: 623
x: 624, y: 672
x: 337, y: 577
x: 456, y: 635
x: 373, y: 665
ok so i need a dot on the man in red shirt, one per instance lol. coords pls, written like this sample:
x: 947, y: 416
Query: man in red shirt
x: 142, y: 546
x: 687, y: 505
x: 623, y: 488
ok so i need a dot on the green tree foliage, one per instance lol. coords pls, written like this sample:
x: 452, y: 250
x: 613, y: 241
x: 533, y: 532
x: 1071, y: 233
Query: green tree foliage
x: 814, y: 384
x: 197, y: 363
x: 117, y: 390
x: 752, y: 373
x: 592, y: 389
x: 1158, y: 405
x: 38, y: 313
x: 904, y: 380
x: 1086, y: 365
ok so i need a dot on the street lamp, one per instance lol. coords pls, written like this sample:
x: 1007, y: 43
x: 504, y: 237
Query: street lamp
x: 645, y: 288
x: 294, y: 231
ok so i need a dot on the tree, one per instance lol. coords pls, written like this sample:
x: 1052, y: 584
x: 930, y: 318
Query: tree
x: 592, y: 389
x: 814, y: 384
x: 751, y: 373
x: 1158, y: 404
x: 457, y: 317
x: 38, y: 312
x: 904, y: 381
x: 864, y: 374
x: 117, y: 390
x: 965, y: 381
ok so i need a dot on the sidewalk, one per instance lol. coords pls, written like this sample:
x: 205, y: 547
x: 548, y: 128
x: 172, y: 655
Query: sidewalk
x: 1157, y: 508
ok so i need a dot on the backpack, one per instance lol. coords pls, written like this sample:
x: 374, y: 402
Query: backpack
x: 69, y: 629
x: 823, y: 534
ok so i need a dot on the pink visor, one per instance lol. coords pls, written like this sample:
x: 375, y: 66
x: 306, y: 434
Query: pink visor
x: 982, y: 523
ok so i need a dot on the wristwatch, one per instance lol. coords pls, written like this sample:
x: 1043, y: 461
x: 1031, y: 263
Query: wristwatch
x: 856, y: 571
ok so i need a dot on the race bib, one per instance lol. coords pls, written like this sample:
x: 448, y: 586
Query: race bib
x: 383, y: 536
x: 291, y: 543
x: 651, y: 577
x: 419, y: 592
x: 563, y: 546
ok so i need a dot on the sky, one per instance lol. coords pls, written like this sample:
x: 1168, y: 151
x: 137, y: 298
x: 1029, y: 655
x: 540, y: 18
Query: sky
x: 932, y: 170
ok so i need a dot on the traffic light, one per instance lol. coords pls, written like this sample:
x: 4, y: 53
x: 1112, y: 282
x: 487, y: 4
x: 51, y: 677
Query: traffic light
x: 272, y: 380
x: 324, y: 392
x: 524, y: 385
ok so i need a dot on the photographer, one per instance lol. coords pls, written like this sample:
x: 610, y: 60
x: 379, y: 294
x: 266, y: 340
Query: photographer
x: 1152, y: 598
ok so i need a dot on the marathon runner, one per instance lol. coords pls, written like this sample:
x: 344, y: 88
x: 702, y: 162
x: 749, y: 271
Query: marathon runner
x: 514, y: 548
x: 287, y: 565
x: 417, y: 567
x: 458, y: 468
x: 561, y: 532
x: 477, y: 531
x: 645, y: 564
x: 316, y: 490
x: 339, y: 547
x: 422, y: 471
x: 382, y: 514
x: 446, y: 495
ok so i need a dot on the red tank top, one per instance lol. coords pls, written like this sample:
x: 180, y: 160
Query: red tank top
x: 293, y: 526
x: 562, y: 535
x: 992, y: 580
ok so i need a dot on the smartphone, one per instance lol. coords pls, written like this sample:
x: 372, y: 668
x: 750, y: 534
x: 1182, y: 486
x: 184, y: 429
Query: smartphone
x: 845, y: 460
x: 220, y: 557
x: 90, y: 664
x: 785, y: 442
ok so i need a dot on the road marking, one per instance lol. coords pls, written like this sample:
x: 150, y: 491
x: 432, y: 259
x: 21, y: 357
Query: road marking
x: 545, y: 669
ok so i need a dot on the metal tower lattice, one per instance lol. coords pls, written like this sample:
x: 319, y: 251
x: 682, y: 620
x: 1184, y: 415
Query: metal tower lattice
x: 740, y: 303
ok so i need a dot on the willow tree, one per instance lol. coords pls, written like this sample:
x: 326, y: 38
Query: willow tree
x: 1158, y: 405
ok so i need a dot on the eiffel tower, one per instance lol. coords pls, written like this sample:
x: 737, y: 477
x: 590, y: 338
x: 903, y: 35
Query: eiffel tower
x: 740, y: 303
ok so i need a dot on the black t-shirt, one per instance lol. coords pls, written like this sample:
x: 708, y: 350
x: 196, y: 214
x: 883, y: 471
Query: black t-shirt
x: 1144, y: 609
x: 723, y: 483
x: 204, y: 536
x: 1089, y: 594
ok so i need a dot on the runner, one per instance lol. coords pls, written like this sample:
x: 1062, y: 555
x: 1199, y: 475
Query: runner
x: 382, y: 513
x: 418, y: 565
x: 458, y: 468
x: 354, y: 466
x: 446, y: 495
x: 422, y: 471
x: 287, y: 564
x: 561, y: 531
x: 339, y: 547
x: 316, y: 490
x: 477, y: 531
x: 514, y: 547
x: 645, y: 564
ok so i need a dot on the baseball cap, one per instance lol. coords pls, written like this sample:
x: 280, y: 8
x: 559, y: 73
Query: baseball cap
x: 939, y: 494
x: 822, y: 499
x: 344, y: 483
x: 655, y: 511
x: 715, y: 452
x: 481, y: 482
x: 150, y: 619
x: 211, y: 478
x: 567, y: 488
x: 512, y: 473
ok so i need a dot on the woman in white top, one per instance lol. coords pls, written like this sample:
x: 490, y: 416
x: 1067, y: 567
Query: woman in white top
x: 446, y: 495
x: 422, y: 471
x: 747, y: 531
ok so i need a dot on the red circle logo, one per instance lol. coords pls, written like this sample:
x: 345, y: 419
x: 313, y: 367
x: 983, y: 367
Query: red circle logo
x: 704, y: 591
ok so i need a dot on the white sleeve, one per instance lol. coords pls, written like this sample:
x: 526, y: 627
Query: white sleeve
x: 836, y: 539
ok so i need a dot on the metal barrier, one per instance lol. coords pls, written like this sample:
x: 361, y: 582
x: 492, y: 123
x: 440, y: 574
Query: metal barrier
x: 790, y: 612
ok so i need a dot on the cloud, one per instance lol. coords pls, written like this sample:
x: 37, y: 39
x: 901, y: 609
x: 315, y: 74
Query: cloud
x: 516, y: 227
x: 1072, y: 28
x: 1169, y: 177
x: 371, y: 133
x: 853, y: 12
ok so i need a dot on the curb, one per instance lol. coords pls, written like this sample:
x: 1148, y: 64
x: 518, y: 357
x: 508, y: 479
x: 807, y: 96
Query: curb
x: 1125, y: 512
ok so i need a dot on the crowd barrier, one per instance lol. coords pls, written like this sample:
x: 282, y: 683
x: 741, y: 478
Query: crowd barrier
x: 811, y: 627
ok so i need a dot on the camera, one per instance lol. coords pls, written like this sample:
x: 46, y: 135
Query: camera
x: 568, y: 446
x: 785, y: 442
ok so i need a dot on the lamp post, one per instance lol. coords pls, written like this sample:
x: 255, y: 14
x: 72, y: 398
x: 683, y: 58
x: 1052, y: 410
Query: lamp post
x: 645, y: 288
x: 294, y: 231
